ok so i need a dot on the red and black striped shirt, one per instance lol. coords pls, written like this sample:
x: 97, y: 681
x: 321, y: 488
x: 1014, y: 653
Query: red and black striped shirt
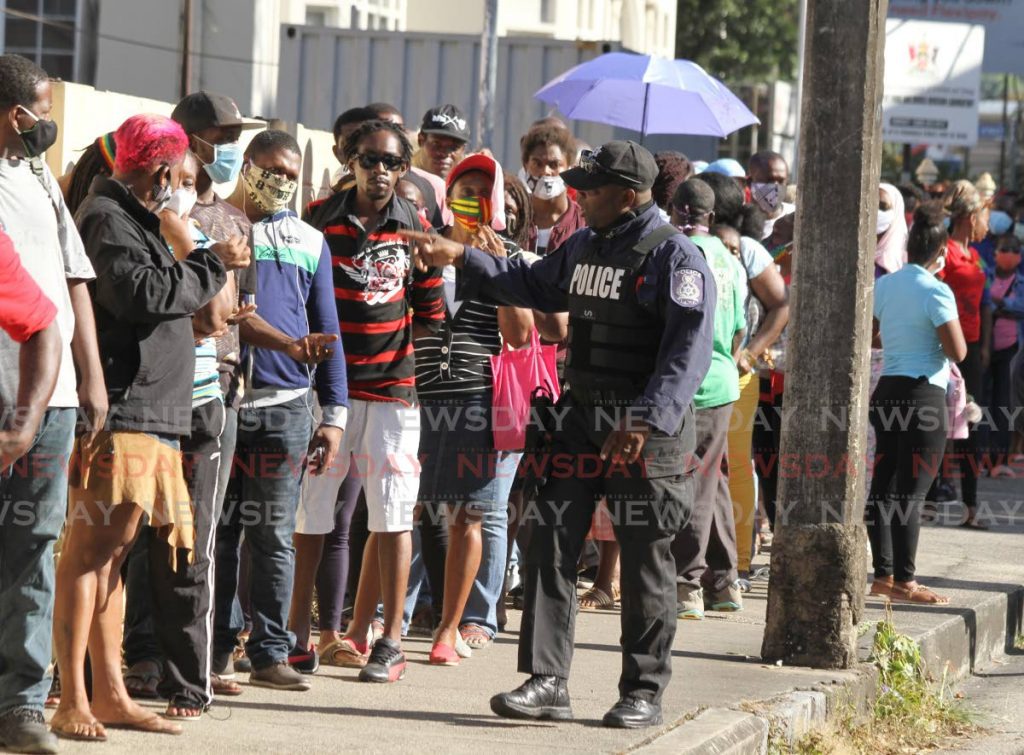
x: 378, y: 294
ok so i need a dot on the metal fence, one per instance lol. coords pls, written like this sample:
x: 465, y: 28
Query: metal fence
x: 325, y: 71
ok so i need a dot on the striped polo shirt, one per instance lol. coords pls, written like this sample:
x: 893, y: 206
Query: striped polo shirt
x: 456, y: 361
x: 378, y: 294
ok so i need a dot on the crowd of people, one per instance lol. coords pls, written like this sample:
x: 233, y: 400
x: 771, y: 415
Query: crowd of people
x: 238, y: 424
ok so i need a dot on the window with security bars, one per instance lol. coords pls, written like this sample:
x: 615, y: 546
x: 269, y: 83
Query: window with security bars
x: 43, y: 31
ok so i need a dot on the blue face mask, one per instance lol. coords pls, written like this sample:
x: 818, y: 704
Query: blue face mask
x: 999, y: 222
x: 227, y: 162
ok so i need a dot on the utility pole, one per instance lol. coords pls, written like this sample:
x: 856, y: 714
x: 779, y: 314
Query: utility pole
x: 816, y: 594
x: 488, y: 75
x: 801, y: 51
x: 186, y: 48
x: 1006, y: 130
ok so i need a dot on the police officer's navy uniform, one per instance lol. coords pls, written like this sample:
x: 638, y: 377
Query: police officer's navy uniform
x: 641, y: 300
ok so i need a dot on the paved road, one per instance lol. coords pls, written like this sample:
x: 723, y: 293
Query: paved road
x: 996, y: 696
x: 446, y: 709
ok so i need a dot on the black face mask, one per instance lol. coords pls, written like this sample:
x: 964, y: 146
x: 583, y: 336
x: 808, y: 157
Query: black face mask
x: 40, y: 137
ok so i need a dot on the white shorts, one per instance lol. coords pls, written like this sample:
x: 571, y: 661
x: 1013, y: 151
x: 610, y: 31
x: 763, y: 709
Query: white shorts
x: 382, y: 441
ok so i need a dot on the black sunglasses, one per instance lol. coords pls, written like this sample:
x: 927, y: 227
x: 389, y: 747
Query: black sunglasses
x: 370, y: 160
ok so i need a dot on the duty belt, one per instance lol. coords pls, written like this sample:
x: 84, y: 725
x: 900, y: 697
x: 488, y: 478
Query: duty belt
x: 589, y: 396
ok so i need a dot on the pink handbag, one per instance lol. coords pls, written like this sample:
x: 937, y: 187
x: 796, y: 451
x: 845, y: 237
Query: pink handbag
x: 956, y: 404
x: 516, y: 374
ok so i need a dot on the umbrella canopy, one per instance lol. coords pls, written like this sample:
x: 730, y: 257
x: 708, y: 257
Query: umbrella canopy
x: 648, y: 94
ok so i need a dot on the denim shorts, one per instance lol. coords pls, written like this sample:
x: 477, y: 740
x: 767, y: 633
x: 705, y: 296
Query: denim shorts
x: 459, y: 463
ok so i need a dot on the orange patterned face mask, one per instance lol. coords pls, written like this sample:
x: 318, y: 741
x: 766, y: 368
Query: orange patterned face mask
x: 472, y: 212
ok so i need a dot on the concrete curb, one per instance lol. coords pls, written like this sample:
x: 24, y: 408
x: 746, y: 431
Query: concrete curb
x: 971, y: 637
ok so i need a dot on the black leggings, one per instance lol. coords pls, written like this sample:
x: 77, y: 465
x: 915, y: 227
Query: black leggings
x: 966, y: 449
x: 332, y: 576
x: 765, y: 443
x: 909, y: 417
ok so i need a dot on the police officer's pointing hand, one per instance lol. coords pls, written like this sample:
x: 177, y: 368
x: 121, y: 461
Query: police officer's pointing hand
x: 430, y: 250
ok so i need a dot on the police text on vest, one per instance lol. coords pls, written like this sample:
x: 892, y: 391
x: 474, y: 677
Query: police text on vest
x: 597, y: 280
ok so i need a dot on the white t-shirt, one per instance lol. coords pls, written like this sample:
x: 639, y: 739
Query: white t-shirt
x: 28, y: 216
x: 769, y: 224
x: 543, y: 236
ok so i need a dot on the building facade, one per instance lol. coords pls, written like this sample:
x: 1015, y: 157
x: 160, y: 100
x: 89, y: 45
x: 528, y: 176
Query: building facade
x: 647, y: 26
x: 136, y: 46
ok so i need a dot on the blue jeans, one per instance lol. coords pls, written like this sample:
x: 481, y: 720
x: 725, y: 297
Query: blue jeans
x: 262, y: 500
x: 461, y: 469
x: 33, y: 504
x: 482, y: 605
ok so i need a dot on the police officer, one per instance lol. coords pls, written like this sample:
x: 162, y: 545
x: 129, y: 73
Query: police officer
x: 640, y: 299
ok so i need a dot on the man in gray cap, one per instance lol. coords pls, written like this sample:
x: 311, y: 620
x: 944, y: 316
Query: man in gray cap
x: 641, y: 301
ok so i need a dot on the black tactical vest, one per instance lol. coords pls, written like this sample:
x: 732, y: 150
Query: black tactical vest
x: 613, y: 341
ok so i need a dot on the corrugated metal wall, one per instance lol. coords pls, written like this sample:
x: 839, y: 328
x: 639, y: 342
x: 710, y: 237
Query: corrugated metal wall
x: 325, y: 71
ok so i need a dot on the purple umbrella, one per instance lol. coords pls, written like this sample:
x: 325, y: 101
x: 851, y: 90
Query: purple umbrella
x: 647, y: 94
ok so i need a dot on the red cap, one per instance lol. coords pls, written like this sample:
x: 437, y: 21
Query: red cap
x: 477, y: 161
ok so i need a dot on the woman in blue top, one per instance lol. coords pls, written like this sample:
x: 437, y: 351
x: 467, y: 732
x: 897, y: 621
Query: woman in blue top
x: 917, y: 318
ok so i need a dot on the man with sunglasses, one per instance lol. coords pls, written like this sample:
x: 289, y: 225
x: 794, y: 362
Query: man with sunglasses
x: 641, y: 300
x: 375, y: 288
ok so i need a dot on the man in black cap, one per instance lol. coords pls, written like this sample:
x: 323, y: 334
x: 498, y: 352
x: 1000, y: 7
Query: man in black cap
x: 443, y: 135
x: 640, y: 299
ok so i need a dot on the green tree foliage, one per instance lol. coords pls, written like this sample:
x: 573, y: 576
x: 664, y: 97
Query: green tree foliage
x: 740, y: 41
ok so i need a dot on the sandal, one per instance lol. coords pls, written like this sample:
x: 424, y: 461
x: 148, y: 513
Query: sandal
x: 881, y: 588
x: 141, y: 682
x: 918, y: 594
x: 596, y: 599
x: 225, y: 685
x: 974, y: 524
x: 475, y: 636
x: 181, y: 704
x: 80, y: 731
x: 327, y: 652
x: 348, y: 654
x: 152, y: 724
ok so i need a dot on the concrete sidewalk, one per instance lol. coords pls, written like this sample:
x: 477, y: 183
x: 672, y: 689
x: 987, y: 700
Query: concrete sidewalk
x: 718, y: 676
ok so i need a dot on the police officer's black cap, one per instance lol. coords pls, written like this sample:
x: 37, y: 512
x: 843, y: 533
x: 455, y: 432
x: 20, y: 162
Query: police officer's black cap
x: 625, y: 163
x: 203, y: 110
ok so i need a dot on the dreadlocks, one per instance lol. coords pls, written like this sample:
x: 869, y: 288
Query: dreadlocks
x: 518, y: 226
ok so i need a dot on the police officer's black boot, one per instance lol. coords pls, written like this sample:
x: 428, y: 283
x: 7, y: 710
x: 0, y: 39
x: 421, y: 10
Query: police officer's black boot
x: 540, y: 697
x: 632, y: 712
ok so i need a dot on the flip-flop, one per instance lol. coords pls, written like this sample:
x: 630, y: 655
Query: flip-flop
x: 225, y: 685
x: 154, y: 724
x: 64, y: 733
x: 972, y: 524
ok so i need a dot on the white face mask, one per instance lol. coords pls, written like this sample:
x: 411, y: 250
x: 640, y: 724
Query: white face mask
x: 528, y: 181
x: 549, y: 187
x: 885, y: 218
x: 767, y: 196
x: 940, y: 265
x: 182, y: 201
